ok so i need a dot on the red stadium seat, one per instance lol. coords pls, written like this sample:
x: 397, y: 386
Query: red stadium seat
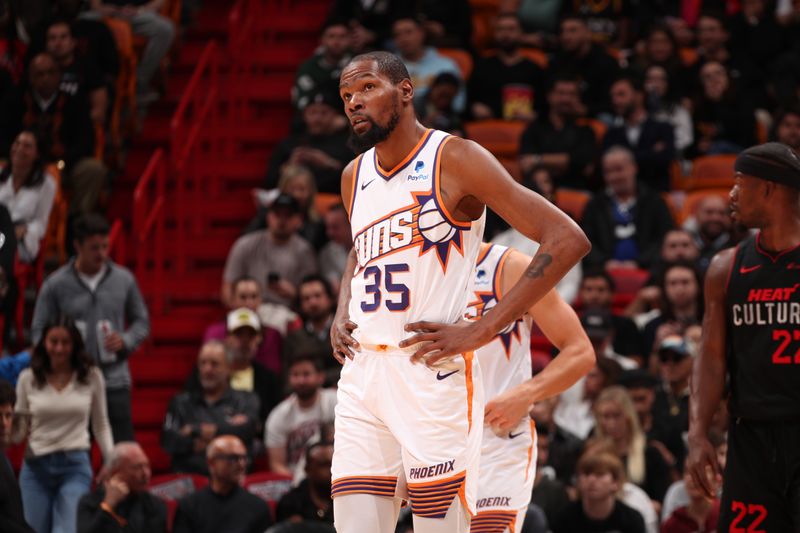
x: 461, y: 58
x: 501, y: 137
x: 269, y: 486
x: 712, y: 172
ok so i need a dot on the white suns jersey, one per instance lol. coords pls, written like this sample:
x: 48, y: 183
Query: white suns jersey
x: 415, y: 262
x: 505, y: 361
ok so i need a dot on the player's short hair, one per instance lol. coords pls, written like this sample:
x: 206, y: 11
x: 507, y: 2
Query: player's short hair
x: 601, y: 463
x: 389, y: 65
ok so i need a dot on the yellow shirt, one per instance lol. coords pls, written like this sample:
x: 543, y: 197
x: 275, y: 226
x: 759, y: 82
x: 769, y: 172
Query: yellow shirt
x: 242, y: 379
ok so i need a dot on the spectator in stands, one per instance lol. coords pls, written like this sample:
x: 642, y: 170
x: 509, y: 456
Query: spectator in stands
x: 563, y: 448
x: 581, y: 56
x: 787, y: 128
x: 712, y: 228
x: 322, y: 146
x: 80, y: 77
x: 277, y: 255
x: 11, y: 515
x: 574, y: 411
x: 63, y: 394
x: 700, y: 514
x: 660, y: 431
x: 506, y: 84
x: 597, y: 292
x: 663, y: 106
x: 311, y: 500
x: 447, y: 23
x: 63, y: 124
x: 320, y: 73
x: 600, y: 329
x: 247, y: 374
x: 671, y: 404
x: 424, y: 63
x: 316, y: 302
x: 122, y: 503
x: 660, y: 49
x: 755, y: 35
x: 713, y: 46
x: 107, y: 306
x: 223, y: 505
x: 651, y: 141
x: 555, y: 142
x: 724, y: 119
x: 333, y: 256
x: 370, y: 22
x: 627, y: 221
x: 195, y: 417
x: 609, y: 24
x: 437, y: 108
x: 27, y: 190
x: 617, y: 421
x: 681, y: 303
x: 549, y: 493
x: 145, y: 20
x: 600, y: 479
x: 246, y: 293
x: 297, y: 419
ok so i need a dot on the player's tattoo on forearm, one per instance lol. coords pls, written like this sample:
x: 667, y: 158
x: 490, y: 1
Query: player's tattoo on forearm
x: 539, y: 263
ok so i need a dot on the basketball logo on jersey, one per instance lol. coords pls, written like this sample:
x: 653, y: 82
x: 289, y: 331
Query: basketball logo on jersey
x: 421, y: 224
x: 483, y: 303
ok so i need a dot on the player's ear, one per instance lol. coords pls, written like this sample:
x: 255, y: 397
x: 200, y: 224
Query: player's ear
x: 406, y: 90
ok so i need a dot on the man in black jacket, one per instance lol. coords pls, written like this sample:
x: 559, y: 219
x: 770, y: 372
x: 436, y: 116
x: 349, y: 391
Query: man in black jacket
x: 626, y: 222
x: 651, y: 141
x: 123, y: 502
x: 195, y: 417
x: 223, y: 505
x: 11, y: 519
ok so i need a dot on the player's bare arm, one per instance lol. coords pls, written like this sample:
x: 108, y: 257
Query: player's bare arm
x: 342, y: 328
x: 560, y: 324
x: 472, y: 178
x: 708, y: 377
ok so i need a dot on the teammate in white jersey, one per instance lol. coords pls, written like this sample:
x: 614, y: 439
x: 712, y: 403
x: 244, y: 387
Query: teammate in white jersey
x: 416, y: 200
x: 508, y: 454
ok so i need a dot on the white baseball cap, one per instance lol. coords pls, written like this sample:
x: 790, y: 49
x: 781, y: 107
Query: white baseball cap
x: 243, y: 318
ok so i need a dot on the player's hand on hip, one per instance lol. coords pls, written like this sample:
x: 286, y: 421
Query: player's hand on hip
x: 342, y: 341
x: 444, y: 341
x: 703, y: 466
x: 504, y: 412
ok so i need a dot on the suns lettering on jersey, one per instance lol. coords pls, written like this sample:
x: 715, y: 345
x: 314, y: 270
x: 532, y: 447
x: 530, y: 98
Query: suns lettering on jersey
x: 419, y: 224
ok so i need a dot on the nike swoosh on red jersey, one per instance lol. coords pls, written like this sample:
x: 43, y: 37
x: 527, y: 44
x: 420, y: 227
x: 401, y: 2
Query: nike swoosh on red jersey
x: 746, y: 270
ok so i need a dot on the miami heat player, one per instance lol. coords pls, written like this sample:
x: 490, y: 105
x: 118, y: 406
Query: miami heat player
x: 751, y: 334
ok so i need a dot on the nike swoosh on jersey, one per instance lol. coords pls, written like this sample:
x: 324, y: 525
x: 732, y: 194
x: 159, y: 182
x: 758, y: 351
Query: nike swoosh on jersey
x: 515, y: 435
x: 441, y: 376
x: 747, y: 270
x: 367, y: 184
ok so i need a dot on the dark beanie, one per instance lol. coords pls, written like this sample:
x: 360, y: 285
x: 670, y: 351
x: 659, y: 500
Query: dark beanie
x: 770, y: 161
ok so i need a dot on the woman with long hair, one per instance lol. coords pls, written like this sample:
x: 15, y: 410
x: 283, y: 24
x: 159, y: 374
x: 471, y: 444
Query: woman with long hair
x: 617, y: 421
x: 27, y: 191
x: 63, y: 393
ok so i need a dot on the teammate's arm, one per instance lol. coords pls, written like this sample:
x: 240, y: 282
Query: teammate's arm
x: 708, y: 376
x: 342, y: 328
x: 474, y: 178
x: 563, y: 329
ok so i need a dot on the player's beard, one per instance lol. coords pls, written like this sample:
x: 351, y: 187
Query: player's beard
x: 376, y: 133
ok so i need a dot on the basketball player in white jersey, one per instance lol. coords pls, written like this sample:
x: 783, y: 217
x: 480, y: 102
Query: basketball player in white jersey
x: 409, y: 418
x: 508, y: 454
